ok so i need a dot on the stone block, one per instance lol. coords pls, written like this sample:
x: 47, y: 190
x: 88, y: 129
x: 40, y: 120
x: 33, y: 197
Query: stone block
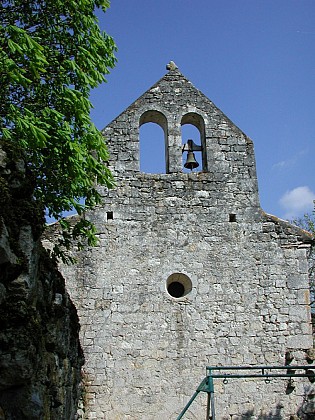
x: 300, y: 341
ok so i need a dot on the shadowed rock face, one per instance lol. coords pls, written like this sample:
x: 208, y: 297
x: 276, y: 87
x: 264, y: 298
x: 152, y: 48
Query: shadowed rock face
x: 40, y: 353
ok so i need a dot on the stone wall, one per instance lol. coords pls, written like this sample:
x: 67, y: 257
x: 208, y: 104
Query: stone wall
x: 146, y: 350
x: 189, y: 272
x: 40, y: 353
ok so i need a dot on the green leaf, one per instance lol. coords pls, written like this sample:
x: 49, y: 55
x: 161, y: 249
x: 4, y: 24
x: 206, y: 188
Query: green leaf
x: 53, y: 57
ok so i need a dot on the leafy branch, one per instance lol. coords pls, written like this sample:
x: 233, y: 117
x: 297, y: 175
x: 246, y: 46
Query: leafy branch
x: 51, y: 55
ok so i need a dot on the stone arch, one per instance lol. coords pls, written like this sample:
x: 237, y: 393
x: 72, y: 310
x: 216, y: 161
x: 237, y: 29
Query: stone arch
x: 157, y: 117
x: 197, y: 120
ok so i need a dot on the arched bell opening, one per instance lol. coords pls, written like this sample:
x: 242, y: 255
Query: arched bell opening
x: 194, y: 144
x: 153, y: 142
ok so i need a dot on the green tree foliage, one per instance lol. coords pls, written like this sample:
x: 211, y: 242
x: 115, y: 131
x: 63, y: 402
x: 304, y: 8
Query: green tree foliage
x: 52, y: 53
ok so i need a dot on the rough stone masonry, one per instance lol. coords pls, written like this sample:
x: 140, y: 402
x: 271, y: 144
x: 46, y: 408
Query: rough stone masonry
x: 189, y: 272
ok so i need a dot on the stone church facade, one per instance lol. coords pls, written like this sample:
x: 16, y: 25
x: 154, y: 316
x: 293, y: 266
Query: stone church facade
x: 189, y: 272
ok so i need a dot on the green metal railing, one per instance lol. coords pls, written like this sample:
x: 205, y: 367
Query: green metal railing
x: 207, y: 384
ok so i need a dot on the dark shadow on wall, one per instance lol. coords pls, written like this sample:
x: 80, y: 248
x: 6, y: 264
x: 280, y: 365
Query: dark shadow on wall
x: 306, y: 411
x: 307, y: 408
x: 275, y: 414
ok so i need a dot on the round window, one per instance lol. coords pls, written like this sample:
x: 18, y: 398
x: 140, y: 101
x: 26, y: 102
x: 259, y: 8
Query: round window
x: 178, y: 285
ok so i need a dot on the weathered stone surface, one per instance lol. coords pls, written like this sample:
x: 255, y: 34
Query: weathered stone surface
x: 242, y: 272
x: 40, y: 354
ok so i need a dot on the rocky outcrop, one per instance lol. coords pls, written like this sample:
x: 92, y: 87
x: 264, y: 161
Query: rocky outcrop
x: 40, y: 353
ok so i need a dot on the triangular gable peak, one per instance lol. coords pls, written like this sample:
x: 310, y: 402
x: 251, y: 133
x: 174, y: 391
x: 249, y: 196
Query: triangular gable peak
x: 226, y: 152
x: 172, y: 102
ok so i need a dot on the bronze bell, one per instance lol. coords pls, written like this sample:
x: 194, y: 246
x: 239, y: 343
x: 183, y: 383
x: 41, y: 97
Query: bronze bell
x: 191, y: 162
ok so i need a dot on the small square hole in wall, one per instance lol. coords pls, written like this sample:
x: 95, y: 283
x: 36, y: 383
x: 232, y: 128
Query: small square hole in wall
x: 232, y: 217
x: 110, y: 215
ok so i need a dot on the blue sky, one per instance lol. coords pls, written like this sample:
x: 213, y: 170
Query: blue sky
x: 255, y: 59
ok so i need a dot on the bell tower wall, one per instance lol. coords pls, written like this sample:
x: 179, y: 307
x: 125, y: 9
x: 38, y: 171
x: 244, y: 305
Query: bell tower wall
x: 189, y: 272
